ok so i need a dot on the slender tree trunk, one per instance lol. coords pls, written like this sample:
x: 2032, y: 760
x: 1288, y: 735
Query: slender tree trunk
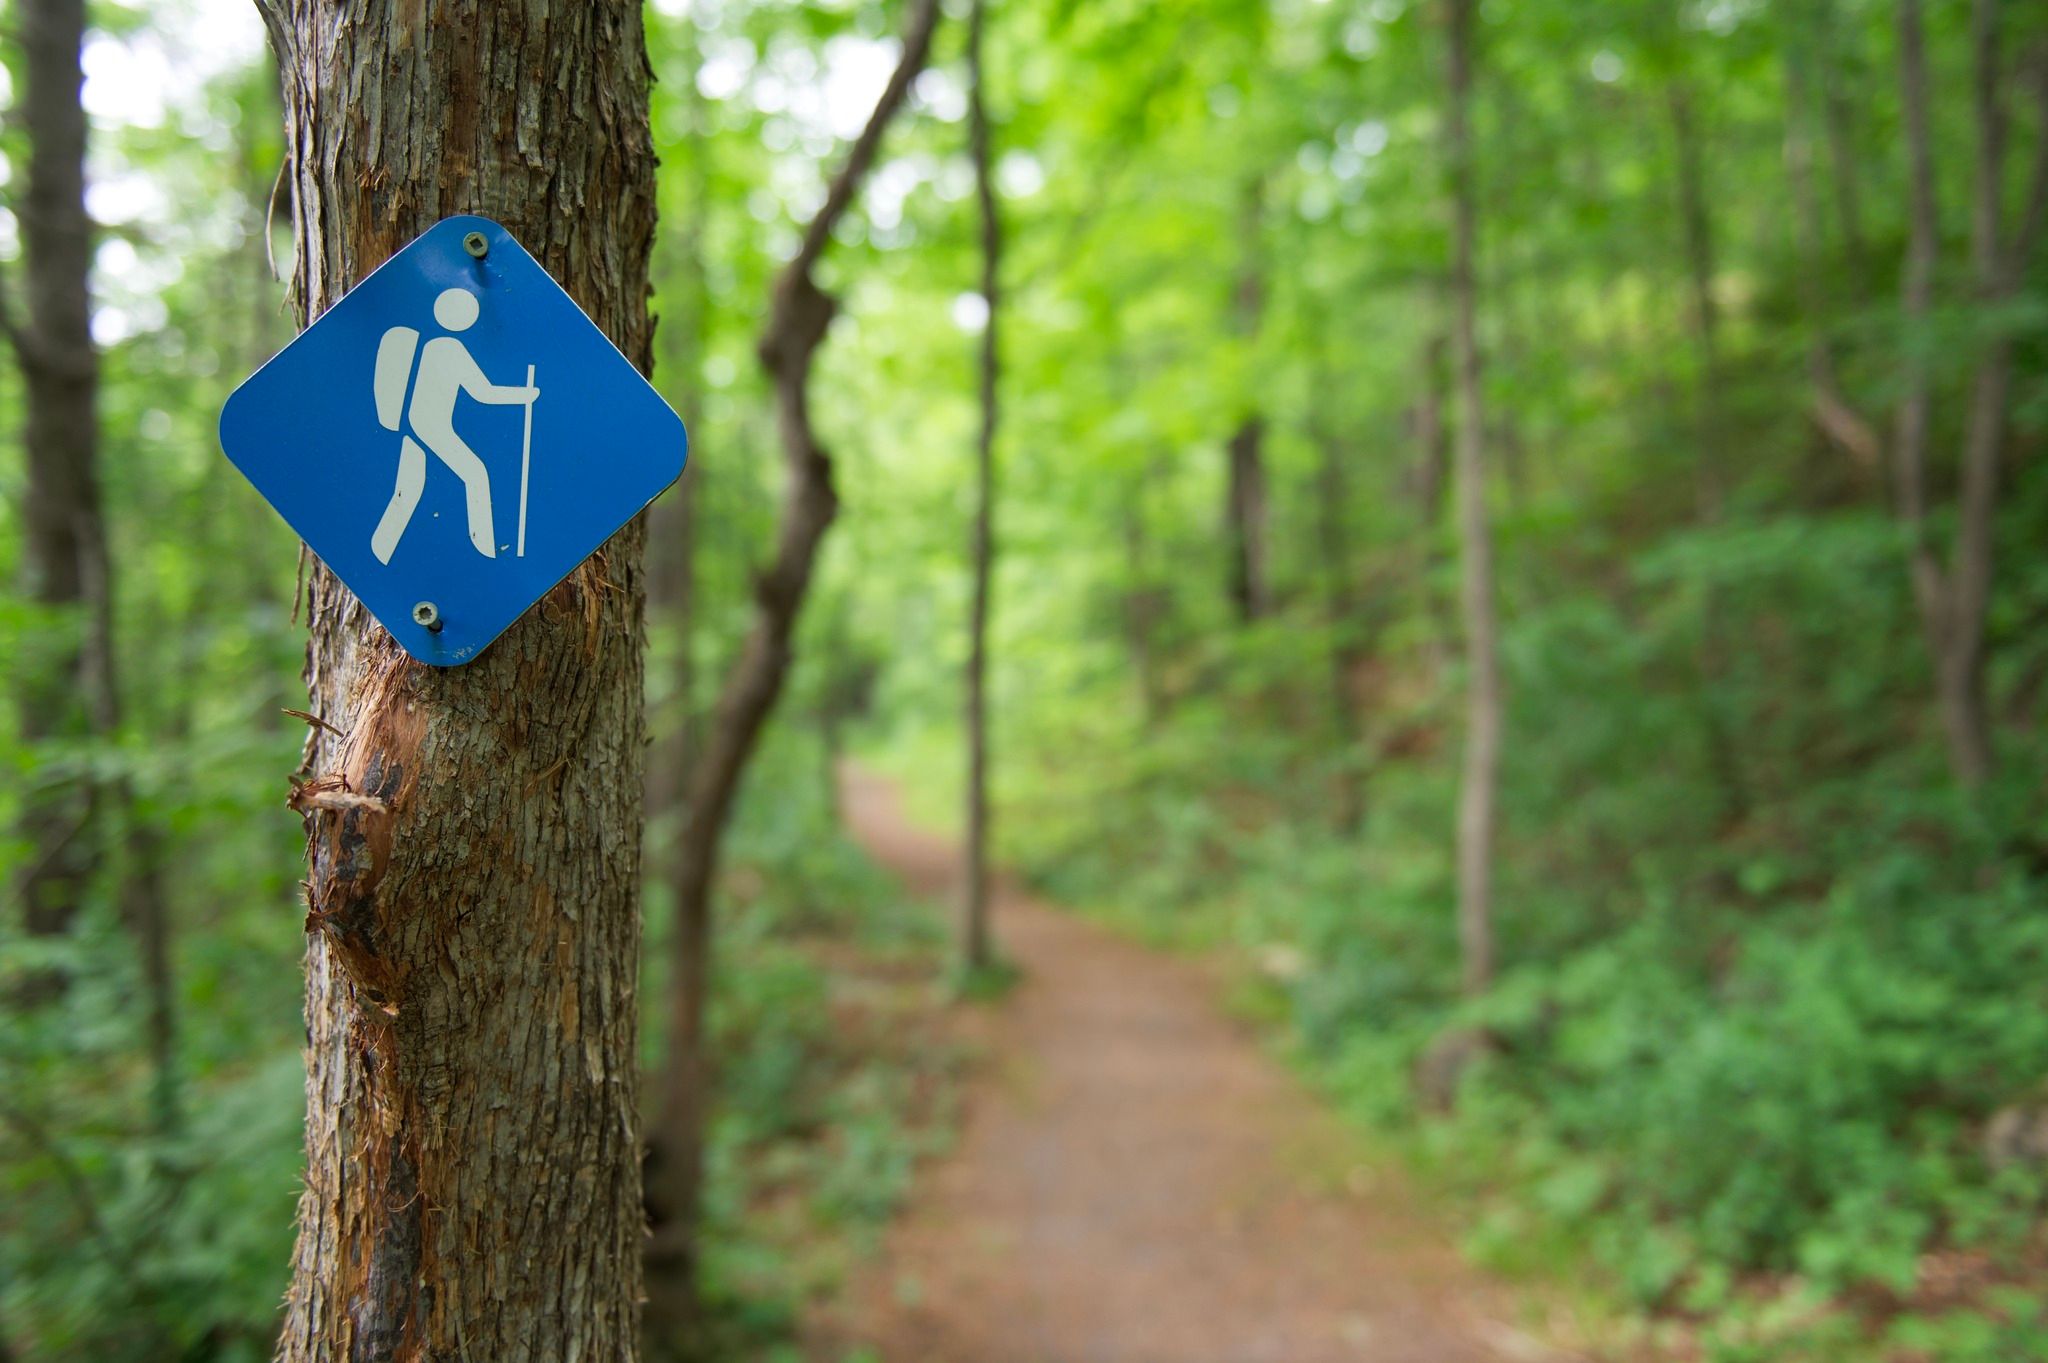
x: 1953, y: 604
x: 1915, y: 410
x: 1479, y: 787
x: 1246, y: 514
x: 1839, y: 119
x: 146, y: 912
x: 800, y: 312
x: 1143, y: 603
x: 1710, y: 473
x: 975, y: 927
x: 64, y: 539
x: 1432, y: 436
x: 671, y: 523
x: 1433, y: 479
x: 473, y: 833
x: 1341, y: 612
x: 1696, y: 218
x: 69, y: 567
x: 1998, y: 257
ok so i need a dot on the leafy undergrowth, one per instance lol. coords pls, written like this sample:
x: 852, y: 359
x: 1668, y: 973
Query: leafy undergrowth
x: 834, y: 1076
x: 1753, y: 1019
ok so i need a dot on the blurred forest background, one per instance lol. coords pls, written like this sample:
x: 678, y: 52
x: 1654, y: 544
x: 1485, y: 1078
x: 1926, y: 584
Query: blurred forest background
x: 1736, y: 1019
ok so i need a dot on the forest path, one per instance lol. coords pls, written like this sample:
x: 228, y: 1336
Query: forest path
x: 1137, y: 1182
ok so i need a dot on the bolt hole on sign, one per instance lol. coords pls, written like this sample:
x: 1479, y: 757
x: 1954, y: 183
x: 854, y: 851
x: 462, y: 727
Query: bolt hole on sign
x: 453, y: 437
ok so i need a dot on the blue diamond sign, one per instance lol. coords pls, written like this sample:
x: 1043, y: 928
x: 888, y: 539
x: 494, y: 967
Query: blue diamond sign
x: 453, y: 437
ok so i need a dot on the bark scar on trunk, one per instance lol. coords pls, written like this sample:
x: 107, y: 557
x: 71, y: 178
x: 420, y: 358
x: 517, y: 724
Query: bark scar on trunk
x: 384, y: 1301
x: 351, y: 816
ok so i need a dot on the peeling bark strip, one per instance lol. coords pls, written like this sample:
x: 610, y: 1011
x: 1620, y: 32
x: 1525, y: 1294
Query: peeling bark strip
x: 472, y: 1181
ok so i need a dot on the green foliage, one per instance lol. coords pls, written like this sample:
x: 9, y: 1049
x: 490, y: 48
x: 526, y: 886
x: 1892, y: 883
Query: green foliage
x: 1729, y: 1052
x: 1766, y: 975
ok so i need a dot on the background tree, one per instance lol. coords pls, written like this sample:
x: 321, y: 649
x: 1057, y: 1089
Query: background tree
x: 975, y: 949
x: 671, y: 523
x: 800, y: 312
x: 1246, y: 512
x: 1953, y: 601
x: 71, y: 693
x: 1479, y: 783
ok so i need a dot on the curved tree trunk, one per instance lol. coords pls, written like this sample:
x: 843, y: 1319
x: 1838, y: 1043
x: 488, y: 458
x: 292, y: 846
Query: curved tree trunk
x: 800, y: 312
x: 473, y: 834
x: 1954, y: 603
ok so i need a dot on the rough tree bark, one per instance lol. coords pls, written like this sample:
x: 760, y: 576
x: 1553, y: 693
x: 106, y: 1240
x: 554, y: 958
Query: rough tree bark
x: 1245, y: 514
x: 1953, y: 601
x: 800, y: 312
x: 1480, y: 781
x: 64, y: 541
x: 472, y: 834
x: 974, y: 944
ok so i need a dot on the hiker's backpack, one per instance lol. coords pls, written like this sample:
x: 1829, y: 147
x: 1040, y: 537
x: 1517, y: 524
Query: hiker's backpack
x: 394, y: 370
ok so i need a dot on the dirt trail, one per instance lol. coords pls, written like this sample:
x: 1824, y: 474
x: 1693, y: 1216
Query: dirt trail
x: 1136, y: 1182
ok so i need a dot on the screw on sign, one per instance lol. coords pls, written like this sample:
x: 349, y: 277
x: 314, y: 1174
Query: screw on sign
x: 336, y: 433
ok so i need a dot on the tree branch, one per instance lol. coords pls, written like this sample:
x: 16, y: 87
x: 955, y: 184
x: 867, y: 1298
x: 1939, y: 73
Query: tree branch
x: 839, y: 196
x: 1846, y: 428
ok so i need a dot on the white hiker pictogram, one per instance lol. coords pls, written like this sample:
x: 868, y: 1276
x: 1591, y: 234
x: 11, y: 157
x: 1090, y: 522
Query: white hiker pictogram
x: 446, y: 369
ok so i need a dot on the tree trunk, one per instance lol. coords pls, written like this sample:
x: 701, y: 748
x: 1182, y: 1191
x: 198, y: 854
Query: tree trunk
x: 1724, y: 760
x: 1843, y: 158
x: 1432, y: 443
x: 1696, y: 219
x: 974, y: 927
x: 1246, y: 514
x: 1959, y: 663
x: 64, y: 539
x: 1144, y: 604
x: 1479, y: 787
x: 1341, y: 612
x: 66, y: 542
x: 1916, y: 301
x: 1953, y: 604
x: 799, y: 314
x: 671, y: 523
x: 1998, y: 265
x: 473, y: 833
